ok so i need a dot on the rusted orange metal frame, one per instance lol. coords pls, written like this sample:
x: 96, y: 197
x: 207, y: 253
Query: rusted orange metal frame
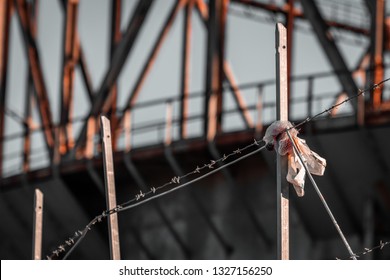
x: 5, y: 17
x: 377, y: 46
x: 102, y: 96
x: 185, y: 68
x: 214, y: 69
x: 228, y: 72
x: 116, y: 37
x: 29, y: 96
x: 289, y: 6
x: 82, y: 60
x: 70, y: 59
x: 37, y: 74
x: 151, y: 58
x: 187, y: 4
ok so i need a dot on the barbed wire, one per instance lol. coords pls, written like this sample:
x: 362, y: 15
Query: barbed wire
x: 153, y: 193
x: 369, y: 250
x: 330, y: 109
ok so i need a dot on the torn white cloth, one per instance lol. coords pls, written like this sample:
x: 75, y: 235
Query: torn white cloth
x: 277, y: 138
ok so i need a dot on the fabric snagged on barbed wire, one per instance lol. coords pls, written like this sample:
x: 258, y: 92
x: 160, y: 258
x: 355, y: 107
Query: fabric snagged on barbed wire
x: 277, y: 137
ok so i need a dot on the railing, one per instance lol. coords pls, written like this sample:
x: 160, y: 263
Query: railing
x: 152, y: 122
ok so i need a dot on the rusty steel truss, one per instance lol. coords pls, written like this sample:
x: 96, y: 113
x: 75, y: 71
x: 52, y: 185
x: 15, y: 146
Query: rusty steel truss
x: 60, y: 141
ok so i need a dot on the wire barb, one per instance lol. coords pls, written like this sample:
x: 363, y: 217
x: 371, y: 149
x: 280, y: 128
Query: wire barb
x: 328, y: 110
x: 369, y: 250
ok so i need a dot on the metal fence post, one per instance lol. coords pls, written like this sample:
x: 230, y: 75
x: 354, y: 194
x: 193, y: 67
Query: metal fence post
x: 281, y: 162
x: 109, y: 178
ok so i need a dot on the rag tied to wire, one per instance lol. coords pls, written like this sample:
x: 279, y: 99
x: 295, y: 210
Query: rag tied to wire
x: 277, y: 139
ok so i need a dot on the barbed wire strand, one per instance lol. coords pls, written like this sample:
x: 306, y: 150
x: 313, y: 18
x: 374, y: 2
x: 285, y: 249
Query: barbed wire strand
x: 367, y: 250
x: 141, y: 198
x: 322, y: 198
x: 329, y: 110
x: 79, y: 235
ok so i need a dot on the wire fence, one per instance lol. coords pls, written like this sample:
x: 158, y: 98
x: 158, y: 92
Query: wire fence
x: 156, y: 192
x: 175, y: 184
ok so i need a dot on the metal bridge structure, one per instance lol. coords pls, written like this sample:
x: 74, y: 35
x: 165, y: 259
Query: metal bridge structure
x: 232, y: 214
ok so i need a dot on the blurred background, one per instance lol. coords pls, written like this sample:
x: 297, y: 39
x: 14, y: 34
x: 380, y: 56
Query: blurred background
x: 185, y: 82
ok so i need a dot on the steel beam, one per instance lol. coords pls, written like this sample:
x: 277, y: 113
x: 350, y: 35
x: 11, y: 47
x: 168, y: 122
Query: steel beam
x: 185, y: 69
x: 214, y: 68
x: 330, y: 48
x: 28, y: 124
x: 387, y: 31
x: 116, y: 65
x: 29, y: 95
x: 5, y: 17
x: 70, y: 59
x: 152, y: 57
x: 37, y: 74
x: 82, y: 60
x: 116, y: 34
x: 228, y: 72
x: 290, y: 35
x: 376, y: 73
x: 85, y: 73
x: 116, y: 37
